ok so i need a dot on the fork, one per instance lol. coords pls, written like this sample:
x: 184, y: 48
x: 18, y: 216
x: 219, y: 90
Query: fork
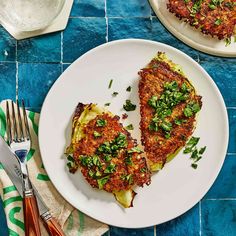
x: 18, y: 135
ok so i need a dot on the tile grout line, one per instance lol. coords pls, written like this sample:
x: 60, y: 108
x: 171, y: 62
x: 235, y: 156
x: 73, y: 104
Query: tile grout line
x: 200, y: 218
x: 155, y: 230
x: 106, y: 18
x: 17, y: 70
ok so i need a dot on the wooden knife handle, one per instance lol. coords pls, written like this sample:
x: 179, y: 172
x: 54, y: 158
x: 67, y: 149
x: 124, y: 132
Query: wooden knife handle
x: 31, y: 215
x: 53, y: 228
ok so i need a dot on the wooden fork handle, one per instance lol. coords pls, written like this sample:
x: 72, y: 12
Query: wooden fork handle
x: 53, y: 228
x: 31, y: 215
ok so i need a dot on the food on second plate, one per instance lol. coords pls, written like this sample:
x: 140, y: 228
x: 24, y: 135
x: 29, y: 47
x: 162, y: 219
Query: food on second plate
x: 214, y: 17
x: 106, y: 154
x: 168, y: 106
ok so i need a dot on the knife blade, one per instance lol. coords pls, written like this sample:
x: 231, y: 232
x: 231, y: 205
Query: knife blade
x: 12, y: 168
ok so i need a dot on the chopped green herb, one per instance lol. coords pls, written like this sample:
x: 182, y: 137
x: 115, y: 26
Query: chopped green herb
x: 70, y: 158
x: 107, y: 104
x: 135, y: 149
x: 128, y: 178
x: 218, y: 22
x: 128, y: 160
x: 115, y: 94
x: 191, y: 144
x: 110, y: 83
x: 194, y: 165
x: 191, y: 108
x: 202, y: 150
x: 101, y: 123
x: 91, y: 173
x: 129, y: 106
x: 96, y: 134
x: 143, y: 170
x: 166, y: 126
x: 107, y: 158
x: 186, y: 1
x: 101, y: 182
x: 110, y: 168
x: 128, y: 89
x: 129, y: 127
x: 179, y: 122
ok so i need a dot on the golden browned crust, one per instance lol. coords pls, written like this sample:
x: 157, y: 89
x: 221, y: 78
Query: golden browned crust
x: 138, y: 172
x: 156, y: 145
x: 217, y: 19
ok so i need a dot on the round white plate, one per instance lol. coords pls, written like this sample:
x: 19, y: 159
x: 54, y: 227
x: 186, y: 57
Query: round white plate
x: 189, y: 35
x: 176, y: 188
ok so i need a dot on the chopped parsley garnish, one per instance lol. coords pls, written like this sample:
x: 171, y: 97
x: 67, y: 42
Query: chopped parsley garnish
x: 107, y: 158
x: 101, y: 123
x: 194, y: 165
x: 128, y: 160
x: 101, y: 182
x: 227, y: 41
x: 218, y: 22
x: 110, y: 169
x: 128, y: 89
x: 179, y: 121
x: 115, y: 94
x: 110, y: 83
x: 129, y: 127
x: 114, y: 146
x: 143, y: 170
x: 191, y: 144
x: 107, y: 104
x: 163, y: 105
x: 191, y: 108
x: 96, y: 134
x: 129, y: 106
x: 135, y: 149
x: 196, y: 154
x: 128, y: 178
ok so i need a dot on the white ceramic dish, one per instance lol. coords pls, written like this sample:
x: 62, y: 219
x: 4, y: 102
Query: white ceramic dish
x: 189, y: 35
x: 176, y: 188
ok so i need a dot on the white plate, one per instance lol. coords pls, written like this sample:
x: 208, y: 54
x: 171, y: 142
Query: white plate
x: 189, y: 35
x: 176, y: 188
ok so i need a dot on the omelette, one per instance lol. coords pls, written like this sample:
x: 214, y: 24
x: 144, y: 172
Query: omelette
x: 106, y: 154
x: 214, y: 17
x: 168, y: 105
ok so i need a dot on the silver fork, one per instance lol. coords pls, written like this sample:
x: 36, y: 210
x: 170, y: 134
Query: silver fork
x: 19, y: 141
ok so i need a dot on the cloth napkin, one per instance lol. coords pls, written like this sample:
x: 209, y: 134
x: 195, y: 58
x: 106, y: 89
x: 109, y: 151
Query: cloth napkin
x: 72, y: 220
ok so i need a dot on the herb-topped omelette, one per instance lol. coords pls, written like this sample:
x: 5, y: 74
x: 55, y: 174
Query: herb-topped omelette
x: 106, y: 154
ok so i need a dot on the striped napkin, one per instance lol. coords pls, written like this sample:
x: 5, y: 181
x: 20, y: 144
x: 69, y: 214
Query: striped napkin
x: 72, y: 221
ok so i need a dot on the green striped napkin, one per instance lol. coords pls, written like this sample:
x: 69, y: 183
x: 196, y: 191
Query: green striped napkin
x: 72, y: 221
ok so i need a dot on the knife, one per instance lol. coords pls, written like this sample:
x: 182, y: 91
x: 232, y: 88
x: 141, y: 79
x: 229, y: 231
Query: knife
x: 12, y: 168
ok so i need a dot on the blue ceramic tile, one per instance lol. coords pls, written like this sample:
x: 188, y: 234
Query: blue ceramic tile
x: 7, y: 80
x: 232, y: 130
x: 145, y: 28
x: 115, y: 231
x: 3, y: 223
x: 224, y: 187
x: 106, y: 234
x: 218, y: 218
x: 65, y: 66
x: 7, y: 46
x: 131, y: 8
x: 35, y: 80
x: 121, y: 28
x: 187, y: 224
x: 88, y: 8
x: 224, y: 75
x: 46, y: 48
x: 81, y: 35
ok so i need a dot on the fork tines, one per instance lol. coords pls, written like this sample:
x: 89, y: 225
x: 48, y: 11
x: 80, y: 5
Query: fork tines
x: 17, y: 128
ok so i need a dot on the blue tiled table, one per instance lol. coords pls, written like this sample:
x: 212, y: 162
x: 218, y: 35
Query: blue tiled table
x: 28, y: 68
